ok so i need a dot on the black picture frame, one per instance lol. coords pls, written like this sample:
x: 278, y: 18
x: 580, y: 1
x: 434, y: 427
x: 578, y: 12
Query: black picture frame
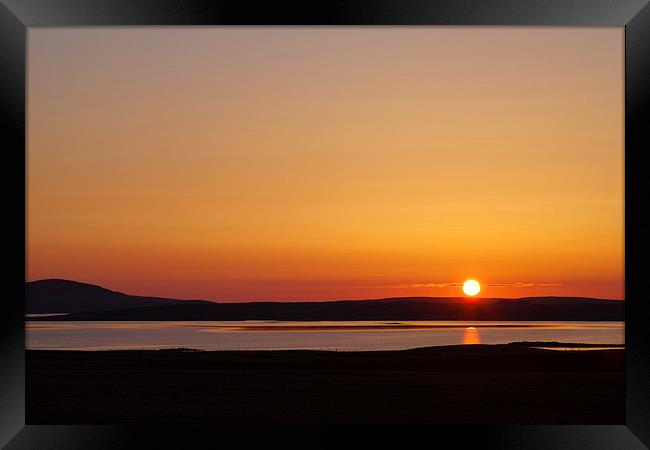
x: 17, y: 15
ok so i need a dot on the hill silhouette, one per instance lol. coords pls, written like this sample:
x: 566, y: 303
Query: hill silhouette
x: 66, y: 296
x: 83, y: 301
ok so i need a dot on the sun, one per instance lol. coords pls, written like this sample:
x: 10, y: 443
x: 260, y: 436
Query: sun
x: 471, y: 287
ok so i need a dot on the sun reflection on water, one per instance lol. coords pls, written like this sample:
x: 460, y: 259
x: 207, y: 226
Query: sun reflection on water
x: 471, y: 336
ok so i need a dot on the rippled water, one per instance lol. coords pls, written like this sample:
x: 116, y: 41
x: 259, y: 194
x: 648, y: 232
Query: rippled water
x: 278, y: 335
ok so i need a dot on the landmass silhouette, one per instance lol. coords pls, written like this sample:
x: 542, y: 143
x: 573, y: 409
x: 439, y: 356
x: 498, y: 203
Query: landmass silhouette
x: 82, y: 301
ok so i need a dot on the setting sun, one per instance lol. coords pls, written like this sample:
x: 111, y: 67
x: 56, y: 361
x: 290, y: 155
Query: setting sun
x: 471, y: 287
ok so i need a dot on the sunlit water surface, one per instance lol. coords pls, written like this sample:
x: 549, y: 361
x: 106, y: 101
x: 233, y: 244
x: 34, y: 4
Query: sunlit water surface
x: 279, y: 335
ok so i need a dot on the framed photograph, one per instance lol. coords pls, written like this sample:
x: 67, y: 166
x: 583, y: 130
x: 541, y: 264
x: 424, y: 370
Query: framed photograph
x: 361, y: 222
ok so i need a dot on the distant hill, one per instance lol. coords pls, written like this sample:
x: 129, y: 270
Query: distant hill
x: 89, y: 302
x: 65, y: 296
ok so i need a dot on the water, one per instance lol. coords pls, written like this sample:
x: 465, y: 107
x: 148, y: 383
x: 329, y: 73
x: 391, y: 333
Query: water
x: 279, y: 335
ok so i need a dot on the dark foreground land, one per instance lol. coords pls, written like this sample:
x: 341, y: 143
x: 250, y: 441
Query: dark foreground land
x: 472, y: 384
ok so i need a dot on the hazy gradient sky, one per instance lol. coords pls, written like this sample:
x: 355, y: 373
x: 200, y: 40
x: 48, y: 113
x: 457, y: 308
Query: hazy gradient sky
x: 263, y: 163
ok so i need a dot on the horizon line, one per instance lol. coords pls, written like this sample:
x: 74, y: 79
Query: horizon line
x: 326, y: 300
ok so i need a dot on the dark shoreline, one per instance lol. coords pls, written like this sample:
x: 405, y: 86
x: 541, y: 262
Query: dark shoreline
x: 472, y: 384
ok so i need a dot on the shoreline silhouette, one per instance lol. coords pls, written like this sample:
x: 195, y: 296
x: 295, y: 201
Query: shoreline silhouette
x: 474, y: 384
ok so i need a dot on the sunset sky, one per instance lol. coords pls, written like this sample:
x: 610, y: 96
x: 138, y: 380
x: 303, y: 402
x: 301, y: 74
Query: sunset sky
x: 316, y: 163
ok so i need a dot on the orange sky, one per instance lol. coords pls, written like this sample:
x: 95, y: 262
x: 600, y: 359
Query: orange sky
x: 327, y: 163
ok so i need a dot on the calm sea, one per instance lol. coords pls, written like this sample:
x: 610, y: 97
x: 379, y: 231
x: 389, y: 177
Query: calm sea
x: 278, y: 335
